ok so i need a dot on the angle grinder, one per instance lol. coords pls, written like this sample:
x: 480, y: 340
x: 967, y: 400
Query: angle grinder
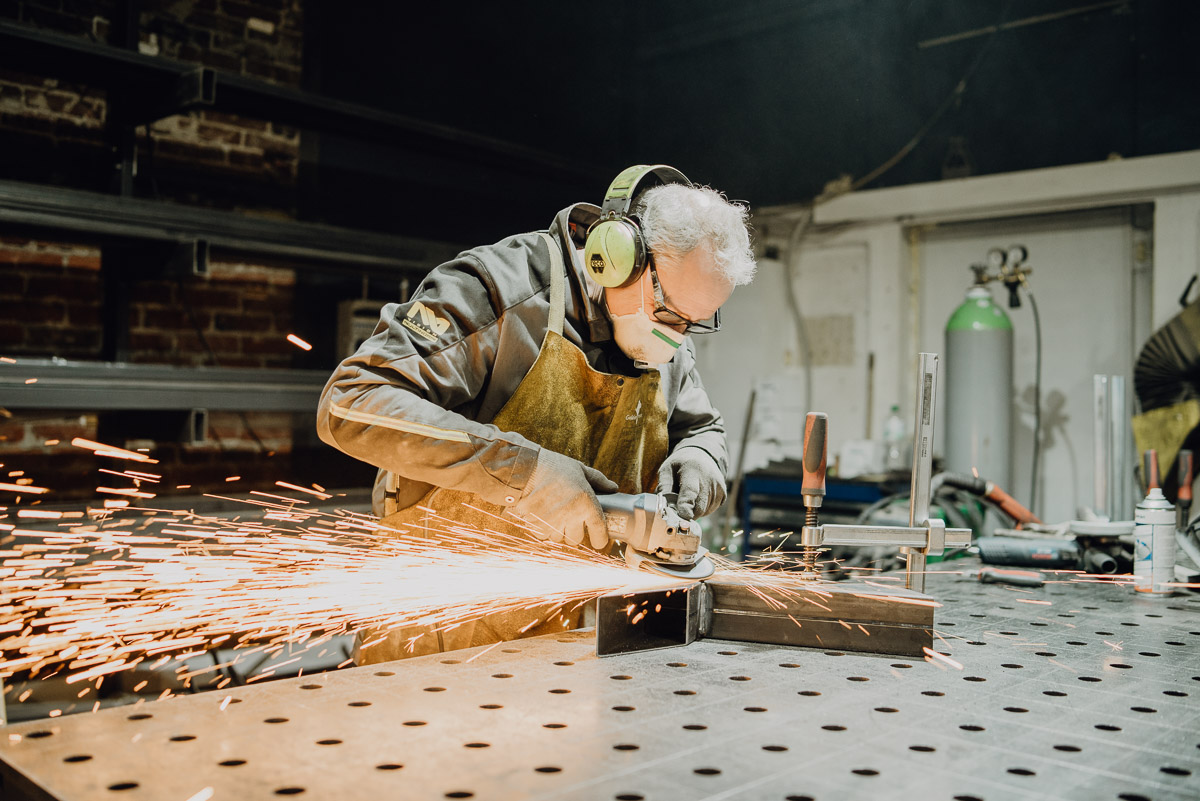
x: 655, y: 536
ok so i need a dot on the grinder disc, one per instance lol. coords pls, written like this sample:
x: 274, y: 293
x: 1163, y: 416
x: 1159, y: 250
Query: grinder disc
x: 701, y: 568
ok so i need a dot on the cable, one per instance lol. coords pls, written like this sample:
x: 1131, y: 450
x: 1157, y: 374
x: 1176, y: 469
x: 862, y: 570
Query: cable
x: 1037, y: 399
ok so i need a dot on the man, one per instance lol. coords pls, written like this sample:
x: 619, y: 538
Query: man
x: 527, y: 376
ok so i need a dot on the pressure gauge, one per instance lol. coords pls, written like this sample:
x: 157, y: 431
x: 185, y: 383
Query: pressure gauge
x: 1017, y: 254
x: 995, y: 258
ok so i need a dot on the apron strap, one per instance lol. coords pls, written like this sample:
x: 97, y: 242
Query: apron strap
x: 558, y: 286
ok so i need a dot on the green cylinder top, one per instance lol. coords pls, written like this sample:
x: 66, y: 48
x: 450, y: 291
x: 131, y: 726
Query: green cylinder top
x: 978, y: 313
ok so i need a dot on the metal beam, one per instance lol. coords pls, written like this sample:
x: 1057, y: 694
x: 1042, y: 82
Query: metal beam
x: 108, y: 386
x: 25, y: 206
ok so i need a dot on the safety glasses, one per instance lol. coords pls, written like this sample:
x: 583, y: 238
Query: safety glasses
x: 668, y: 316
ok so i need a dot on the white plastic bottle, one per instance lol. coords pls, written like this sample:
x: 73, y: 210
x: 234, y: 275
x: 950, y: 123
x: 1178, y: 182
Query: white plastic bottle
x: 895, y: 441
x: 1154, y: 545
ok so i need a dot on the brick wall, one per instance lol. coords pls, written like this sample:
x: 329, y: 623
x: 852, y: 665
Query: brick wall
x: 51, y: 293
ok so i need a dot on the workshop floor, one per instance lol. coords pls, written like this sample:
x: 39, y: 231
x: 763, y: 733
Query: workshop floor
x: 1071, y: 691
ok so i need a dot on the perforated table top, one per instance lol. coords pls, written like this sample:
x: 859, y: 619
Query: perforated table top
x: 1093, y: 695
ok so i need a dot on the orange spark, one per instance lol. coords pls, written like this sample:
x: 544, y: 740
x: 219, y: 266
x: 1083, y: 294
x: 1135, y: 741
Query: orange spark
x: 932, y: 654
x: 298, y: 342
x: 23, y: 488
x: 100, y: 449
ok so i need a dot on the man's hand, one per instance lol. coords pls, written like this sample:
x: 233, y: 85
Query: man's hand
x: 695, y: 477
x: 560, y: 499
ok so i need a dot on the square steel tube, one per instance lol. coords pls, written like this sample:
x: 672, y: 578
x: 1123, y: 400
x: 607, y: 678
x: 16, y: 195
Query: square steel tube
x: 843, y: 617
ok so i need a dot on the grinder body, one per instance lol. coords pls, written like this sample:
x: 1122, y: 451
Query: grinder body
x: 654, y: 534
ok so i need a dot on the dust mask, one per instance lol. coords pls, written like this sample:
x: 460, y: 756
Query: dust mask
x: 646, y: 341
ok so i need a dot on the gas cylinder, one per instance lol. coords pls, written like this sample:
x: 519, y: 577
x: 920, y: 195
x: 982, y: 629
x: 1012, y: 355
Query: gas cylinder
x: 979, y: 388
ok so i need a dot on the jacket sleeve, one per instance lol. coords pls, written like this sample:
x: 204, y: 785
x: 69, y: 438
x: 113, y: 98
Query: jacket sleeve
x: 694, y: 422
x: 392, y: 403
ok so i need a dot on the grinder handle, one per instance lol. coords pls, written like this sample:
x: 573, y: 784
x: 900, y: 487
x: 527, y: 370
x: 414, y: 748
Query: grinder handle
x: 813, y: 486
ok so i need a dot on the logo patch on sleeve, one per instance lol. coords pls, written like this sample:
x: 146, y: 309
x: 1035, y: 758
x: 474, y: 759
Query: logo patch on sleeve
x: 422, y: 321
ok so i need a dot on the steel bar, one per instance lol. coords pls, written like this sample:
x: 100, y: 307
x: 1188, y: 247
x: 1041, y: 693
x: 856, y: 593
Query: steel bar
x: 1087, y: 694
x: 109, y: 386
x: 922, y: 463
x: 1101, y: 455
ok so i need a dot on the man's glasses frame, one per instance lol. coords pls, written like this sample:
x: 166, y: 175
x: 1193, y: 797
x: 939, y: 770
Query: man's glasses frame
x: 668, y: 316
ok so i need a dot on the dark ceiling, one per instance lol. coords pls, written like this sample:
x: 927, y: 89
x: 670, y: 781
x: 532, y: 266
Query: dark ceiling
x: 767, y: 100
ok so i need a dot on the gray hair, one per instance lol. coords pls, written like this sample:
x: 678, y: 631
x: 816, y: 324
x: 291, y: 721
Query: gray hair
x: 677, y: 219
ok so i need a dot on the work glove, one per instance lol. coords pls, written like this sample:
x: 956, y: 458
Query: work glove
x: 560, y: 500
x: 694, y: 476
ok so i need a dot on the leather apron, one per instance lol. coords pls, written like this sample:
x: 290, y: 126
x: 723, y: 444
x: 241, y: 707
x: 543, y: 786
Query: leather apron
x: 615, y: 424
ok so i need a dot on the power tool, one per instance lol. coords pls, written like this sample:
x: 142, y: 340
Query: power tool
x: 654, y: 535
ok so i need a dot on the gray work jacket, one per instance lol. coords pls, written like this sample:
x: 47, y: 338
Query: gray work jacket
x: 417, y: 398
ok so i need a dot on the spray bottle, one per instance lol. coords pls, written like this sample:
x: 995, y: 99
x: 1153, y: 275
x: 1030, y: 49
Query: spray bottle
x: 1154, y: 537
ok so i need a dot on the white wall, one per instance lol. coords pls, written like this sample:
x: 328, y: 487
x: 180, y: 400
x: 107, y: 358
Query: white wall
x: 911, y: 247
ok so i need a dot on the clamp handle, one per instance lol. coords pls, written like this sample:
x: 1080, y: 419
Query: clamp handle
x: 815, y: 457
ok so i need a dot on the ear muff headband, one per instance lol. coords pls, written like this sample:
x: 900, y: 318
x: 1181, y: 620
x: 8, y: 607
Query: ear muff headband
x: 615, y: 254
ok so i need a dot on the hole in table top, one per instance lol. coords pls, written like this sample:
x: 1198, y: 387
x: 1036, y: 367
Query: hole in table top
x: 1121, y: 666
x: 1017, y: 709
x: 833, y: 727
x: 329, y: 742
x: 446, y: 662
x: 924, y: 749
x: 901, y: 665
x: 970, y: 727
x: 754, y: 709
x: 1130, y: 624
x: 182, y: 738
x: 1068, y: 748
x: 799, y: 798
x: 1010, y: 633
x: 857, y: 678
x: 359, y: 703
x: 1175, y: 693
x: 1021, y: 772
x: 1054, y: 693
x: 37, y: 735
x: 887, y: 709
x: 1171, y: 770
x: 1105, y: 633
x: 554, y: 725
x: 1107, y: 727
x: 435, y: 689
x: 621, y: 678
x: 77, y: 758
x: 977, y: 615
x: 865, y: 772
x: 775, y: 748
x: 1009, y: 608
x: 289, y: 791
x: 384, y: 673
x: 389, y: 766
x: 974, y: 678
x: 707, y: 771
x: 310, y: 686
x: 1148, y: 653
x: 460, y: 794
x: 123, y: 786
x: 502, y: 675
x: 677, y: 664
x: 491, y: 706
x: 559, y: 691
x: 548, y: 769
x: 1039, y: 624
x: 629, y: 797
x: 626, y: 747
x: 685, y: 692
x: 276, y: 720
x: 788, y: 665
x: 1089, y: 678
x: 1012, y: 666
x: 414, y: 723
x: 1044, y: 653
x: 624, y: 708
x: 1174, y: 642
x: 1132, y: 797
x: 947, y: 623
x: 975, y: 642
x: 739, y: 678
x: 727, y: 653
x: 231, y: 763
x: 967, y: 798
x: 564, y: 663
x: 809, y: 693
x: 932, y: 693
x: 477, y: 745
x: 138, y: 716
x: 1145, y: 709
x: 510, y: 650
x: 1076, y: 642
x: 694, y: 726
x: 1061, y: 614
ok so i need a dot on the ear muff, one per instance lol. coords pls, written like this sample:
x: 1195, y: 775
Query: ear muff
x: 615, y: 254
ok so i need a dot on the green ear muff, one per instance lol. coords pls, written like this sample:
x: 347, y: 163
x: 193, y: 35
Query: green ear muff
x: 614, y: 253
